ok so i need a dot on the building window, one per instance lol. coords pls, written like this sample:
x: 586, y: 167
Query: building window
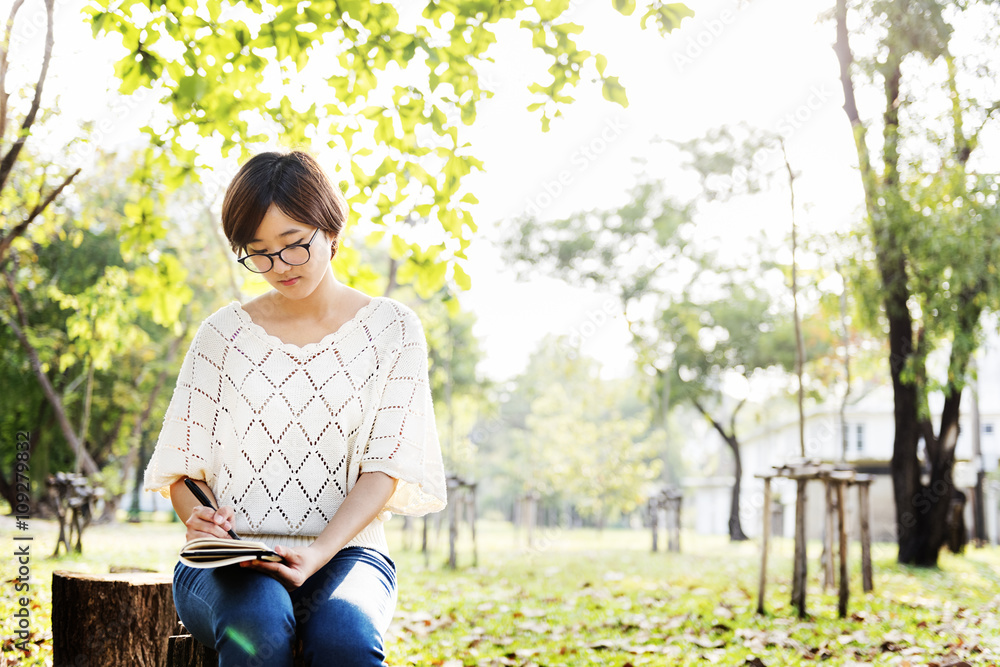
x: 987, y: 429
x: 859, y: 438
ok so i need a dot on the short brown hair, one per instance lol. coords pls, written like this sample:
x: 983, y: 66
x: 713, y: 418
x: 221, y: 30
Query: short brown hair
x: 294, y: 182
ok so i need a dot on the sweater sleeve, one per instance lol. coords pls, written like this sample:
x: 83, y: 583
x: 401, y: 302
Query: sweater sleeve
x: 404, y: 440
x: 186, y: 444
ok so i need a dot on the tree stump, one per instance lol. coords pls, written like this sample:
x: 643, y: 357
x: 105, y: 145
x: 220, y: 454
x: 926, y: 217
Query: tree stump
x: 111, y: 619
x: 183, y: 650
x: 186, y: 651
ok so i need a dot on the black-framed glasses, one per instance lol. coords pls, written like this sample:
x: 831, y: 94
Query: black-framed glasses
x: 293, y: 255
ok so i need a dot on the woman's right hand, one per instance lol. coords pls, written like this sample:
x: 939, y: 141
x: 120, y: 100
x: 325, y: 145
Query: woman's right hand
x: 208, y: 522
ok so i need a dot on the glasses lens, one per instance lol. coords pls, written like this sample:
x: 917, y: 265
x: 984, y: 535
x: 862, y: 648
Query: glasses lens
x: 258, y: 263
x: 295, y: 255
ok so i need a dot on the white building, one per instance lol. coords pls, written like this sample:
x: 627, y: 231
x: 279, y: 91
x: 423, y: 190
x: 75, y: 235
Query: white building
x: 869, y: 424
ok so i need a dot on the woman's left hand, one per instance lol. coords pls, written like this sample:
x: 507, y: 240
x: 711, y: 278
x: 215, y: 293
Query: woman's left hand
x: 299, y: 565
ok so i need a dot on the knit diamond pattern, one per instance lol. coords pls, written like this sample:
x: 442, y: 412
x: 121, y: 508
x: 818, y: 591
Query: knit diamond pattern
x: 282, y: 432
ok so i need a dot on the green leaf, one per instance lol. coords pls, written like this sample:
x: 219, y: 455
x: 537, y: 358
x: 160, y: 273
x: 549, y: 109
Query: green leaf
x: 468, y: 113
x: 625, y: 7
x: 462, y: 278
x: 668, y: 17
x: 601, y: 61
x: 614, y: 91
x: 398, y: 248
x: 190, y: 90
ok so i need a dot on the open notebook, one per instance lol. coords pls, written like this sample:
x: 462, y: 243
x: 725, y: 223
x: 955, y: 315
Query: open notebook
x: 205, y: 552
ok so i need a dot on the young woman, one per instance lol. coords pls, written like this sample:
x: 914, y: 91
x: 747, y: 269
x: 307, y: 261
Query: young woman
x: 306, y: 417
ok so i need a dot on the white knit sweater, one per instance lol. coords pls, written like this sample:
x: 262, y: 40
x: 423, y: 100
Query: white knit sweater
x: 281, y: 432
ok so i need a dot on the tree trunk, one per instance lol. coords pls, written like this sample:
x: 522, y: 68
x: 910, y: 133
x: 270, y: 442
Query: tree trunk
x: 921, y: 511
x: 391, y: 284
x: 978, y: 508
x: 847, y: 366
x: 800, y: 351
x: 111, y: 619
x: 736, y: 533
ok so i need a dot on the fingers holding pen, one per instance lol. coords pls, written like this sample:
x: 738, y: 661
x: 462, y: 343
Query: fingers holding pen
x: 225, y: 517
x: 208, y: 522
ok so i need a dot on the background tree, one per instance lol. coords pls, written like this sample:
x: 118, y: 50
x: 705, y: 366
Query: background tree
x: 738, y: 335
x: 582, y: 443
x: 399, y: 84
x: 398, y: 90
x: 637, y: 253
x: 641, y: 253
x: 460, y: 393
x: 934, y: 226
x: 103, y: 326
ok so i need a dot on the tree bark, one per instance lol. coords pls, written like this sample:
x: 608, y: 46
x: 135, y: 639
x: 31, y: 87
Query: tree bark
x: 111, y: 619
x: 736, y: 533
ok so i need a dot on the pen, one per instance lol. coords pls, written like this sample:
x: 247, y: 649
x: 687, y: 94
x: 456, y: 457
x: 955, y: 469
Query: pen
x: 196, y: 490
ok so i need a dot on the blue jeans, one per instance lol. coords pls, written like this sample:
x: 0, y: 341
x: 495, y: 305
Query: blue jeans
x: 341, y: 613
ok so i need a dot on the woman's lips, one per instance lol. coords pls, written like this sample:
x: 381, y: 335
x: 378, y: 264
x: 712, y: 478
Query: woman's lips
x: 289, y: 282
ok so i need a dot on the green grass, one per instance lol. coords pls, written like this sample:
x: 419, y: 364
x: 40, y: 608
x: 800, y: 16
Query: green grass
x: 584, y: 598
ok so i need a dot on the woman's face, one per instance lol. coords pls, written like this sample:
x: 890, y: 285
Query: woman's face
x: 276, y: 232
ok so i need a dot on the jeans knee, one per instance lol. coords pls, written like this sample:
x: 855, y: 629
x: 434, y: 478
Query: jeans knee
x: 259, y: 633
x: 346, y: 632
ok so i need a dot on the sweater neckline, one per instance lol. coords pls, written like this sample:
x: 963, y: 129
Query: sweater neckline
x: 276, y: 342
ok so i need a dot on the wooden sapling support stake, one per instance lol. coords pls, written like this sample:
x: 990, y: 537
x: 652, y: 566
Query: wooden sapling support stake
x: 799, y: 571
x: 863, y: 482
x: 765, y: 538
x: 844, y: 590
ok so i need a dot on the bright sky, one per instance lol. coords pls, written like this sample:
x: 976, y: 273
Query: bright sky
x: 766, y: 63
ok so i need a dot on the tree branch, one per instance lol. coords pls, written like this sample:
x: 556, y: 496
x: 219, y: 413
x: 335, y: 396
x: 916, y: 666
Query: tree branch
x: 732, y: 422
x: 35, y: 212
x: 717, y: 425
x: 962, y: 146
x: 974, y: 138
x: 958, y: 364
x: 842, y: 48
x: 8, y: 160
x: 4, y: 52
